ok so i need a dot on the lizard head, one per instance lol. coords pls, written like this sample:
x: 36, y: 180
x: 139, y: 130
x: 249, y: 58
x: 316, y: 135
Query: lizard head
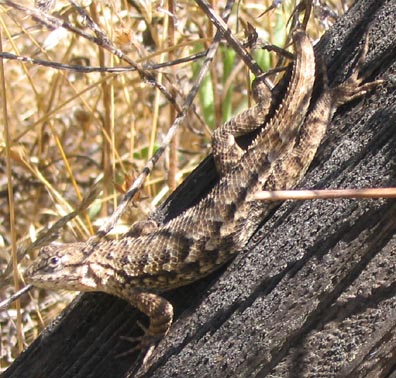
x: 61, y: 267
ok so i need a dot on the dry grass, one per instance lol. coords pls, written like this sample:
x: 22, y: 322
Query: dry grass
x: 68, y: 130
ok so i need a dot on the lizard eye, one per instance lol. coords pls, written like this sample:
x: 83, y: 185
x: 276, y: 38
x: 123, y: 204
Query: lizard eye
x: 54, y: 261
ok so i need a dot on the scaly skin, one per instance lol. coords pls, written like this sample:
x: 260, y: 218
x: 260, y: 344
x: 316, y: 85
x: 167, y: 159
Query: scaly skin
x: 204, y: 237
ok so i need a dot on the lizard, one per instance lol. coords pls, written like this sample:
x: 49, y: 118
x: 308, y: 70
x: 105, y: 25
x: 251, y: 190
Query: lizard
x: 140, y: 266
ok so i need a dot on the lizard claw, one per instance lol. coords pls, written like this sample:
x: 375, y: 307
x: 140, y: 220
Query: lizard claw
x: 145, y: 343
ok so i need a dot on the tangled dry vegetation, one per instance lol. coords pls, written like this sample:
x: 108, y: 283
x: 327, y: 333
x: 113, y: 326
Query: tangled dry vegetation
x: 66, y: 130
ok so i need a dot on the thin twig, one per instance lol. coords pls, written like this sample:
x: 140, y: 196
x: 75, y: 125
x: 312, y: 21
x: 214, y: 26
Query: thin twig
x: 7, y: 302
x: 89, y: 69
x: 233, y: 42
x: 284, y: 195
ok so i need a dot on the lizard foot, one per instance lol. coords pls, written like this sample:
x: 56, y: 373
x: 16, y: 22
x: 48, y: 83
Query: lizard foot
x: 145, y: 343
x: 353, y: 87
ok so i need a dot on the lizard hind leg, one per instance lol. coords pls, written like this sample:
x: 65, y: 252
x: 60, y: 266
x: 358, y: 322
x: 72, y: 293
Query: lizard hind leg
x: 226, y: 151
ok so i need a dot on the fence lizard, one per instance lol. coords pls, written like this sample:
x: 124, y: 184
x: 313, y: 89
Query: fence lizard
x: 138, y: 268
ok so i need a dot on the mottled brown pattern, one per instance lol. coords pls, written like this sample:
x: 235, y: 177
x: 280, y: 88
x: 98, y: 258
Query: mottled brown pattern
x: 208, y: 234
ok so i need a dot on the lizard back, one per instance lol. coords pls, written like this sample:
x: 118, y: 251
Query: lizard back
x: 207, y: 235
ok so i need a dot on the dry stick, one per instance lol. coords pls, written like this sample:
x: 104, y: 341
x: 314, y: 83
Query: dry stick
x: 234, y: 43
x: 283, y: 195
x: 7, y: 302
x: 89, y: 69
x: 145, y: 66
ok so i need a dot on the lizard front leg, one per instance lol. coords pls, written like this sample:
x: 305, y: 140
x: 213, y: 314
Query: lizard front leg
x: 158, y: 309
